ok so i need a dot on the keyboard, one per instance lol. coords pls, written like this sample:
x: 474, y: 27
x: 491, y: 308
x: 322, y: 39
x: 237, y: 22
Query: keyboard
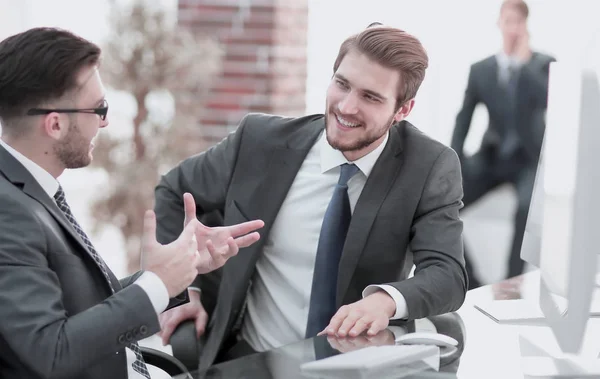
x: 374, y: 357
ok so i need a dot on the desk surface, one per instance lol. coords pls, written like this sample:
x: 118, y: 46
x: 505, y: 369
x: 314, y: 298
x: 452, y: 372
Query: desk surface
x: 487, y: 349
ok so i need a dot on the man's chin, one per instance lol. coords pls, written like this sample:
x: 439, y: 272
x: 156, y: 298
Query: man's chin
x: 344, y: 148
x: 80, y: 164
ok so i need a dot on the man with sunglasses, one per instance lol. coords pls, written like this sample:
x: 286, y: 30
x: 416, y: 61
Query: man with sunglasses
x: 63, y: 313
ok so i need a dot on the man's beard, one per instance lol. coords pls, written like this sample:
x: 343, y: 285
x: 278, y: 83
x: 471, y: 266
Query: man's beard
x: 73, y: 150
x: 363, y: 141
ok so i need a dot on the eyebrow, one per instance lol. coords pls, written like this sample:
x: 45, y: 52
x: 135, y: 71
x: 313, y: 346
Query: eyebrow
x: 368, y: 91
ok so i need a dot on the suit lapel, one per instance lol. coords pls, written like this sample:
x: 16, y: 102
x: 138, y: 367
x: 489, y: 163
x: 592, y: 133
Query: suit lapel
x: 14, y: 171
x: 376, y: 188
x: 494, y: 78
x: 284, y: 162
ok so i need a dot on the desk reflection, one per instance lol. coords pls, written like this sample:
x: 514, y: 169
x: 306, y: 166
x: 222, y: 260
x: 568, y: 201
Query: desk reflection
x: 285, y: 362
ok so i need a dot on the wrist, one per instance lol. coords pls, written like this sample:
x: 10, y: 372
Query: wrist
x: 386, y: 302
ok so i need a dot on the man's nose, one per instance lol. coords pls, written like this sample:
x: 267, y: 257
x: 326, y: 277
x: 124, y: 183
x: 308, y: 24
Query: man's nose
x: 349, y: 104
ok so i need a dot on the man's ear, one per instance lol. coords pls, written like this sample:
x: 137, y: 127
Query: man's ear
x: 54, y: 126
x: 404, y: 110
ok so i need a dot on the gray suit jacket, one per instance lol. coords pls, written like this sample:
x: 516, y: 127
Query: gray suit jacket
x: 410, y: 200
x: 532, y: 95
x: 57, y: 318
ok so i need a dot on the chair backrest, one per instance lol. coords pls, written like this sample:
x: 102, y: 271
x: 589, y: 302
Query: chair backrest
x: 163, y: 361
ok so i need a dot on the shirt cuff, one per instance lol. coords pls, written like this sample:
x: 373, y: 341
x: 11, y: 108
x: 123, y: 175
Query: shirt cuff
x: 401, y: 311
x: 196, y: 289
x: 155, y: 289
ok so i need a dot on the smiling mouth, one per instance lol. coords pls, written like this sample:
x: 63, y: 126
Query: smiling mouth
x: 345, y: 123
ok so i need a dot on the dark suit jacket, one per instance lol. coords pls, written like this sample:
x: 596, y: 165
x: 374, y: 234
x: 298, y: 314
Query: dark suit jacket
x: 57, y: 318
x: 410, y: 200
x: 532, y: 92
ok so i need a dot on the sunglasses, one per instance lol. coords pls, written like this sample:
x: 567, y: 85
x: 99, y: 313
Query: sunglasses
x: 100, y: 111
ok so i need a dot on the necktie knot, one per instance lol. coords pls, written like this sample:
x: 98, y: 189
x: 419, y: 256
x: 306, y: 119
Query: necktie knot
x: 59, y: 196
x: 348, y: 170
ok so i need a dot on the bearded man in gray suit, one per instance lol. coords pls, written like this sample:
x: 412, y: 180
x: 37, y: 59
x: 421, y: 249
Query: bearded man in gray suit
x: 63, y: 313
x: 346, y: 196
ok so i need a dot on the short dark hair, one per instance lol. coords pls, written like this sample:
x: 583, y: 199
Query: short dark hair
x: 40, y: 65
x: 518, y: 5
x: 392, y: 48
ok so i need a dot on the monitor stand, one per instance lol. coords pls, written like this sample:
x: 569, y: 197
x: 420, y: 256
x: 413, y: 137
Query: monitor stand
x: 513, y: 312
x: 527, y: 311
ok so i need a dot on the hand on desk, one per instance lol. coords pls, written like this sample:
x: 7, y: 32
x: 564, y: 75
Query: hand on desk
x: 371, y: 314
x: 508, y: 289
x: 193, y: 310
x: 216, y: 245
x: 344, y: 345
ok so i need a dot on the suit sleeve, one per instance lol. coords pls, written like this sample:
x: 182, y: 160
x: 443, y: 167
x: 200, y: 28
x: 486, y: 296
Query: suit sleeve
x: 533, y: 82
x: 35, y: 324
x: 206, y: 176
x: 463, y: 119
x: 439, y: 284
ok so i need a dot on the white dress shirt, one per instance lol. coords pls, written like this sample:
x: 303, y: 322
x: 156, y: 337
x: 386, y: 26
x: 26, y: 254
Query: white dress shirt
x: 148, y: 281
x: 505, y: 63
x: 279, y: 296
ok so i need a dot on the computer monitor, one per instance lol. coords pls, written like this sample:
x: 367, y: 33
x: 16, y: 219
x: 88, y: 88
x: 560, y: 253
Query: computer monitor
x: 561, y: 236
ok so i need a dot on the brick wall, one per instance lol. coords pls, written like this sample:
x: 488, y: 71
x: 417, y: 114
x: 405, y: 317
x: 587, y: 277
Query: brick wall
x: 264, y: 68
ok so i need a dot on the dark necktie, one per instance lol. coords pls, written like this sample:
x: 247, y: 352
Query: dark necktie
x: 139, y: 365
x: 329, y: 250
x: 510, y: 143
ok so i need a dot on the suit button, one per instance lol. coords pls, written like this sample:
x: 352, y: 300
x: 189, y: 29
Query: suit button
x: 136, y: 333
x: 143, y: 330
x: 128, y: 336
x: 121, y: 339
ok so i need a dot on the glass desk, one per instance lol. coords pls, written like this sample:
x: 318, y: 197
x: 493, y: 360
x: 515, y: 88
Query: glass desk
x: 285, y: 362
x: 486, y: 349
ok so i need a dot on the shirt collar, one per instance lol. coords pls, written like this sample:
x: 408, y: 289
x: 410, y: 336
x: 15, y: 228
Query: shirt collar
x: 48, y: 183
x: 331, y: 158
x: 506, y: 61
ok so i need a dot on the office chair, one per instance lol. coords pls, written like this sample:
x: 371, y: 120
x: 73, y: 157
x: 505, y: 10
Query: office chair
x: 163, y: 361
x: 451, y: 324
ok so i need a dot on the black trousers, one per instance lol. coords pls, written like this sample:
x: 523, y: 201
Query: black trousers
x: 236, y: 347
x: 482, y: 173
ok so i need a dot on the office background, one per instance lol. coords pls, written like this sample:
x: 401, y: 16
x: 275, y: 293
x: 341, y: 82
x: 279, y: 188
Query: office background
x: 455, y: 33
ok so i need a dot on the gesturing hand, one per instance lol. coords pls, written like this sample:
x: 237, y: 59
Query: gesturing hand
x: 175, y: 263
x: 216, y: 245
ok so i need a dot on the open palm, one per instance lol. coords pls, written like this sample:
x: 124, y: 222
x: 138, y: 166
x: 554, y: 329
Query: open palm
x: 217, y: 244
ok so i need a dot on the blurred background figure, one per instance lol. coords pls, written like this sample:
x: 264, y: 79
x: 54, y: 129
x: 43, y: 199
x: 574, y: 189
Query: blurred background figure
x: 513, y: 86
